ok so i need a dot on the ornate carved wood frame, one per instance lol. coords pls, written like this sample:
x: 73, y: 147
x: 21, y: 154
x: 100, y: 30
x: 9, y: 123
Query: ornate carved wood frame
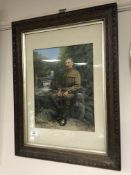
x: 107, y: 14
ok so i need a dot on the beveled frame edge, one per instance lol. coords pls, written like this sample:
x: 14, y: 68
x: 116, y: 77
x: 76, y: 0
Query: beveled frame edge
x: 108, y: 13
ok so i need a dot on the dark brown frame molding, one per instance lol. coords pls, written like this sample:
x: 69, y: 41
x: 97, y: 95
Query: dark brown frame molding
x: 107, y: 13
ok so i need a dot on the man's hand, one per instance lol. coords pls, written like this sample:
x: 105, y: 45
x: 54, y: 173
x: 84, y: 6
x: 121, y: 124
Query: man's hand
x: 65, y: 94
x: 59, y: 93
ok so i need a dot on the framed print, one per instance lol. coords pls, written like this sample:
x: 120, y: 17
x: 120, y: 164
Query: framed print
x: 66, y: 88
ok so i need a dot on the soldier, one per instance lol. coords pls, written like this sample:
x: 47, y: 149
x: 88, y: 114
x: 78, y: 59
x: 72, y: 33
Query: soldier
x: 69, y: 86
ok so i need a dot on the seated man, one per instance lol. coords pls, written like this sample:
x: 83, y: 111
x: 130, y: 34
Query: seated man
x: 69, y: 86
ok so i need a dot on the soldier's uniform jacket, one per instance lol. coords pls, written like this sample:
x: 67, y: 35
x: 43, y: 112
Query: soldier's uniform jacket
x: 71, y: 81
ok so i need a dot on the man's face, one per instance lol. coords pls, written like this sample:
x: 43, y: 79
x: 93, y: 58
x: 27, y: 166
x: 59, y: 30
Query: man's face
x: 69, y: 63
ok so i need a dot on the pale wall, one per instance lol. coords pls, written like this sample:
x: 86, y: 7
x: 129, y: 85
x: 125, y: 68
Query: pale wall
x: 10, y: 164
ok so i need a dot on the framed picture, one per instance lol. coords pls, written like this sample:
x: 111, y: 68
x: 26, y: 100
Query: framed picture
x: 66, y: 89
